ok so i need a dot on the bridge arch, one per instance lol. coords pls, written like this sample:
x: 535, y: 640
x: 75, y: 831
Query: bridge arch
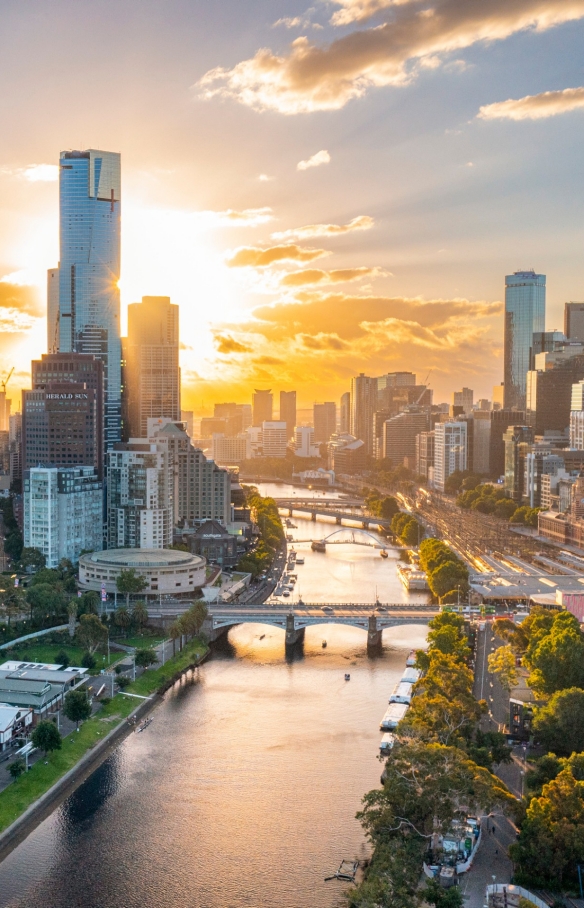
x: 353, y: 530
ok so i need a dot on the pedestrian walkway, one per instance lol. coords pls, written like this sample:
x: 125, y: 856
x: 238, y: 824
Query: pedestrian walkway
x: 491, y: 864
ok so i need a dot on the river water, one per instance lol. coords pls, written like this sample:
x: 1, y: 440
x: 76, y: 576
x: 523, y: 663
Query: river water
x: 243, y: 791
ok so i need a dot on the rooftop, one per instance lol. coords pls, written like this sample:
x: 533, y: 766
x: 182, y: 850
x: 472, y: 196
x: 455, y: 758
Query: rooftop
x: 142, y: 558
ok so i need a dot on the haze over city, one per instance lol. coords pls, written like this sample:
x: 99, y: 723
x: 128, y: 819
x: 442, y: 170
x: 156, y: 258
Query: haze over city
x: 322, y: 191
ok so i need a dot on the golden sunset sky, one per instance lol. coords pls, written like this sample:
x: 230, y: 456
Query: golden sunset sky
x: 324, y: 191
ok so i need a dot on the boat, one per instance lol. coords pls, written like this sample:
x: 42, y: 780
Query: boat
x: 383, y: 553
x: 387, y: 742
x: 411, y: 660
x: 347, y: 676
x: 402, y: 693
x: 346, y: 872
x: 318, y: 545
x: 411, y: 578
x: 299, y: 559
x: 286, y: 593
x: 323, y: 644
x: 393, y: 716
x: 410, y: 676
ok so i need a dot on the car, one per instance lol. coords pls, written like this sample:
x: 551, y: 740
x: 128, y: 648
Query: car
x: 327, y: 608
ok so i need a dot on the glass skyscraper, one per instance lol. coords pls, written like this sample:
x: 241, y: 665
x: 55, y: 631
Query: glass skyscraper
x: 524, y: 315
x: 89, y: 269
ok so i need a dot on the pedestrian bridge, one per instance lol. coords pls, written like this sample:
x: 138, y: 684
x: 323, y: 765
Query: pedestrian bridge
x: 295, y: 620
x: 316, y: 510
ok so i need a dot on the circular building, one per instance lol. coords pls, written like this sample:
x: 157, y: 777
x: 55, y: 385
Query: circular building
x: 166, y: 572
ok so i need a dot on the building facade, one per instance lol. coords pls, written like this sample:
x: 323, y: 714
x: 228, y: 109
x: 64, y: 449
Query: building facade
x: 274, y: 438
x: 399, y: 435
x: 89, y: 269
x: 139, y: 496
x: 325, y: 421
x: 424, y: 453
x: 517, y: 440
x: 304, y: 445
x: 450, y: 439
x: 262, y: 403
x: 62, y: 512
x: 288, y: 411
x: 574, y: 321
x: 524, y: 315
x: 151, y: 371
x: 463, y: 399
x: 363, y: 406
x: 345, y: 413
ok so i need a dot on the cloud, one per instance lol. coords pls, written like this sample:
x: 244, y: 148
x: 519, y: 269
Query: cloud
x: 41, y: 173
x: 19, y: 307
x: 362, y: 222
x: 358, y: 10
x: 226, y: 344
x: 321, y: 157
x: 256, y: 257
x: 326, y: 77
x: 249, y: 217
x: 535, y: 107
x: 264, y: 178
x: 337, y: 276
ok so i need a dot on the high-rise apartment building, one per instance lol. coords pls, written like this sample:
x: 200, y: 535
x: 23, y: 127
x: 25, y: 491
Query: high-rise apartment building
x: 517, y: 441
x: 464, y: 399
x: 488, y: 446
x: 288, y: 411
x: 524, y: 315
x: 325, y: 421
x: 201, y: 490
x: 62, y: 416
x: 139, y: 496
x: 274, y: 438
x: 450, y: 449
x: 62, y: 512
x: 363, y: 406
x: 151, y: 369
x: 89, y: 269
x: 399, y: 435
x: 574, y: 321
x: 345, y: 413
x: 549, y: 392
x: 15, y: 443
x: 424, y: 453
x: 263, y: 407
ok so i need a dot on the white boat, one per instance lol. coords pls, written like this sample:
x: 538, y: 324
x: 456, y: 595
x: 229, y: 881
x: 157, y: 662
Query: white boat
x: 402, y: 693
x: 411, y: 675
x: 299, y: 559
x: 411, y: 660
x: 411, y: 578
x: 387, y: 742
x: 393, y: 716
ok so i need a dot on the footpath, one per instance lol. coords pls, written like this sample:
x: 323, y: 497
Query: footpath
x: 33, y: 796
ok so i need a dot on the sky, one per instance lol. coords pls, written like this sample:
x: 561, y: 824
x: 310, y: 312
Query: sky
x: 324, y: 190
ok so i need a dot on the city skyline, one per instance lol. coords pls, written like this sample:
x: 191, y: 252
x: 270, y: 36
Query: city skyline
x: 368, y: 232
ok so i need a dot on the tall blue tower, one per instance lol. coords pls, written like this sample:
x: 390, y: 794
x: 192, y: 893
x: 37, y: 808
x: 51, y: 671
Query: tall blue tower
x: 89, y: 270
x: 524, y: 316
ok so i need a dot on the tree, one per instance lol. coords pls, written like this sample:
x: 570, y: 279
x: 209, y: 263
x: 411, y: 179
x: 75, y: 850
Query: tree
x: 77, y: 706
x: 389, y: 507
x: 47, y: 737
x: 449, y: 576
x: 502, y: 664
x: 449, y: 641
x: 140, y: 614
x: 559, y: 725
x: 17, y: 768
x: 13, y: 544
x: 62, y: 658
x: 32, y: 558
x: 556, y: 659
x: 45, y: 601
x: 91, y: 632
x: 551, y: 841
x: 88, y: 603
x: 146, y: 657
x: 88, y: 660
x: 412, y: 532
x: 14, y: 603
x: 435, y: 894
x: 130, y: 582
x: 122, y: 617
x: 175, y: 631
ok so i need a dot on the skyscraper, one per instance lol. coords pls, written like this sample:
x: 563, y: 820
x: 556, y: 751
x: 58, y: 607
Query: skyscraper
x: 363, y: 406
x: 89, y: 269
x: 263, y: 406
x: 139, y: 496
x: 450, y: 450
x: 325, y: 421
x: 524, y: 315
x: 151, y: 370
x: 345, y: 413
x: 288, y: 411
x: 574, y: 321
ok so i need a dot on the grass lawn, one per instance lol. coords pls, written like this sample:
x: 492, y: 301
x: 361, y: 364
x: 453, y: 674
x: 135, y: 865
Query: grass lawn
x: 47, y: 652
x: 140, y: 641
x: 28, y: 788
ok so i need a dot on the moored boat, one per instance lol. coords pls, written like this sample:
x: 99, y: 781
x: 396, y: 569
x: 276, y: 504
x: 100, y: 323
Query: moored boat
x: 318, y: 545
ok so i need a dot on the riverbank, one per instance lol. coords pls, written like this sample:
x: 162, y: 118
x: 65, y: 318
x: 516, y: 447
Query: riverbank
x: 28, y: 800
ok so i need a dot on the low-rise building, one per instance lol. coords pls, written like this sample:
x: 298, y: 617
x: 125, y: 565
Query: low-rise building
x: 15, y: 722
x: 213, y: 542
x: 166, y: 572
x: 304, y: 445
x: 346, y: 454
x: 38, y: 686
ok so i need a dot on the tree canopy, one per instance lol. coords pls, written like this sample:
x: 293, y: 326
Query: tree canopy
x: 91, y: 632
x: 46, y: 737
x: 559, y: 725
x: 77, y: 706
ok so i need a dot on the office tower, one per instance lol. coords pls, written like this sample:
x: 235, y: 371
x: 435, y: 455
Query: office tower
x: 577, y: 416
x: 346, y: 455
x: 304, y: 445
x: 517, y: 440
x: 483, y: 403
x: 201, y: 490
x: 139, y: 496
x: 89, y: 269
x: 5, y: 407
x: 53, y: 310
x: 345, y: 413
x: 62, y: 416
x: 288, y: 411
x: 211, y: 425
x: 549, y: 392
x: 499, y: 397
x: 363, y: 406
x: 380, y: 417
x: 488, y: 446
x: 232, y: 414
x: 245, y: 410
x: 325, y: 421
x: 263, y: 407
x: 151, y: 370
x: 274, y: 438
x: 396, y: 380
x: 546, y: 342
x: 524, y: 315
x: 424, y: 453
x: 463, y: 399
x: 230, y: 450
x: 15, y: 442
x: 62, y: 512
x: 574, y: 321
x: 399, y: 435
x: 540, y: 461
x: 450, y: 439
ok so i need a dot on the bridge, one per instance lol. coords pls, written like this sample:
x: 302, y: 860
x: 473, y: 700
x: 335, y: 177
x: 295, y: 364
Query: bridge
x: 315, y: 502
x: 329, y: 540
x: 373, y: 618
x: 316, y: 510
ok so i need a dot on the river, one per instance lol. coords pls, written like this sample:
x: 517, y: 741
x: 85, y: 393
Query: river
x: 243, y: 791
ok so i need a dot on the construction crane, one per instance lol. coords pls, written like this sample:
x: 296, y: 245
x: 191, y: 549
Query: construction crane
x: 425, y: 388
x: 6, y: 380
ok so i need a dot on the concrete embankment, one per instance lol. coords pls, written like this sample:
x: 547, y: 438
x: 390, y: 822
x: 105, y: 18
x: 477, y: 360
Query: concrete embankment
x: 14, y: 834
